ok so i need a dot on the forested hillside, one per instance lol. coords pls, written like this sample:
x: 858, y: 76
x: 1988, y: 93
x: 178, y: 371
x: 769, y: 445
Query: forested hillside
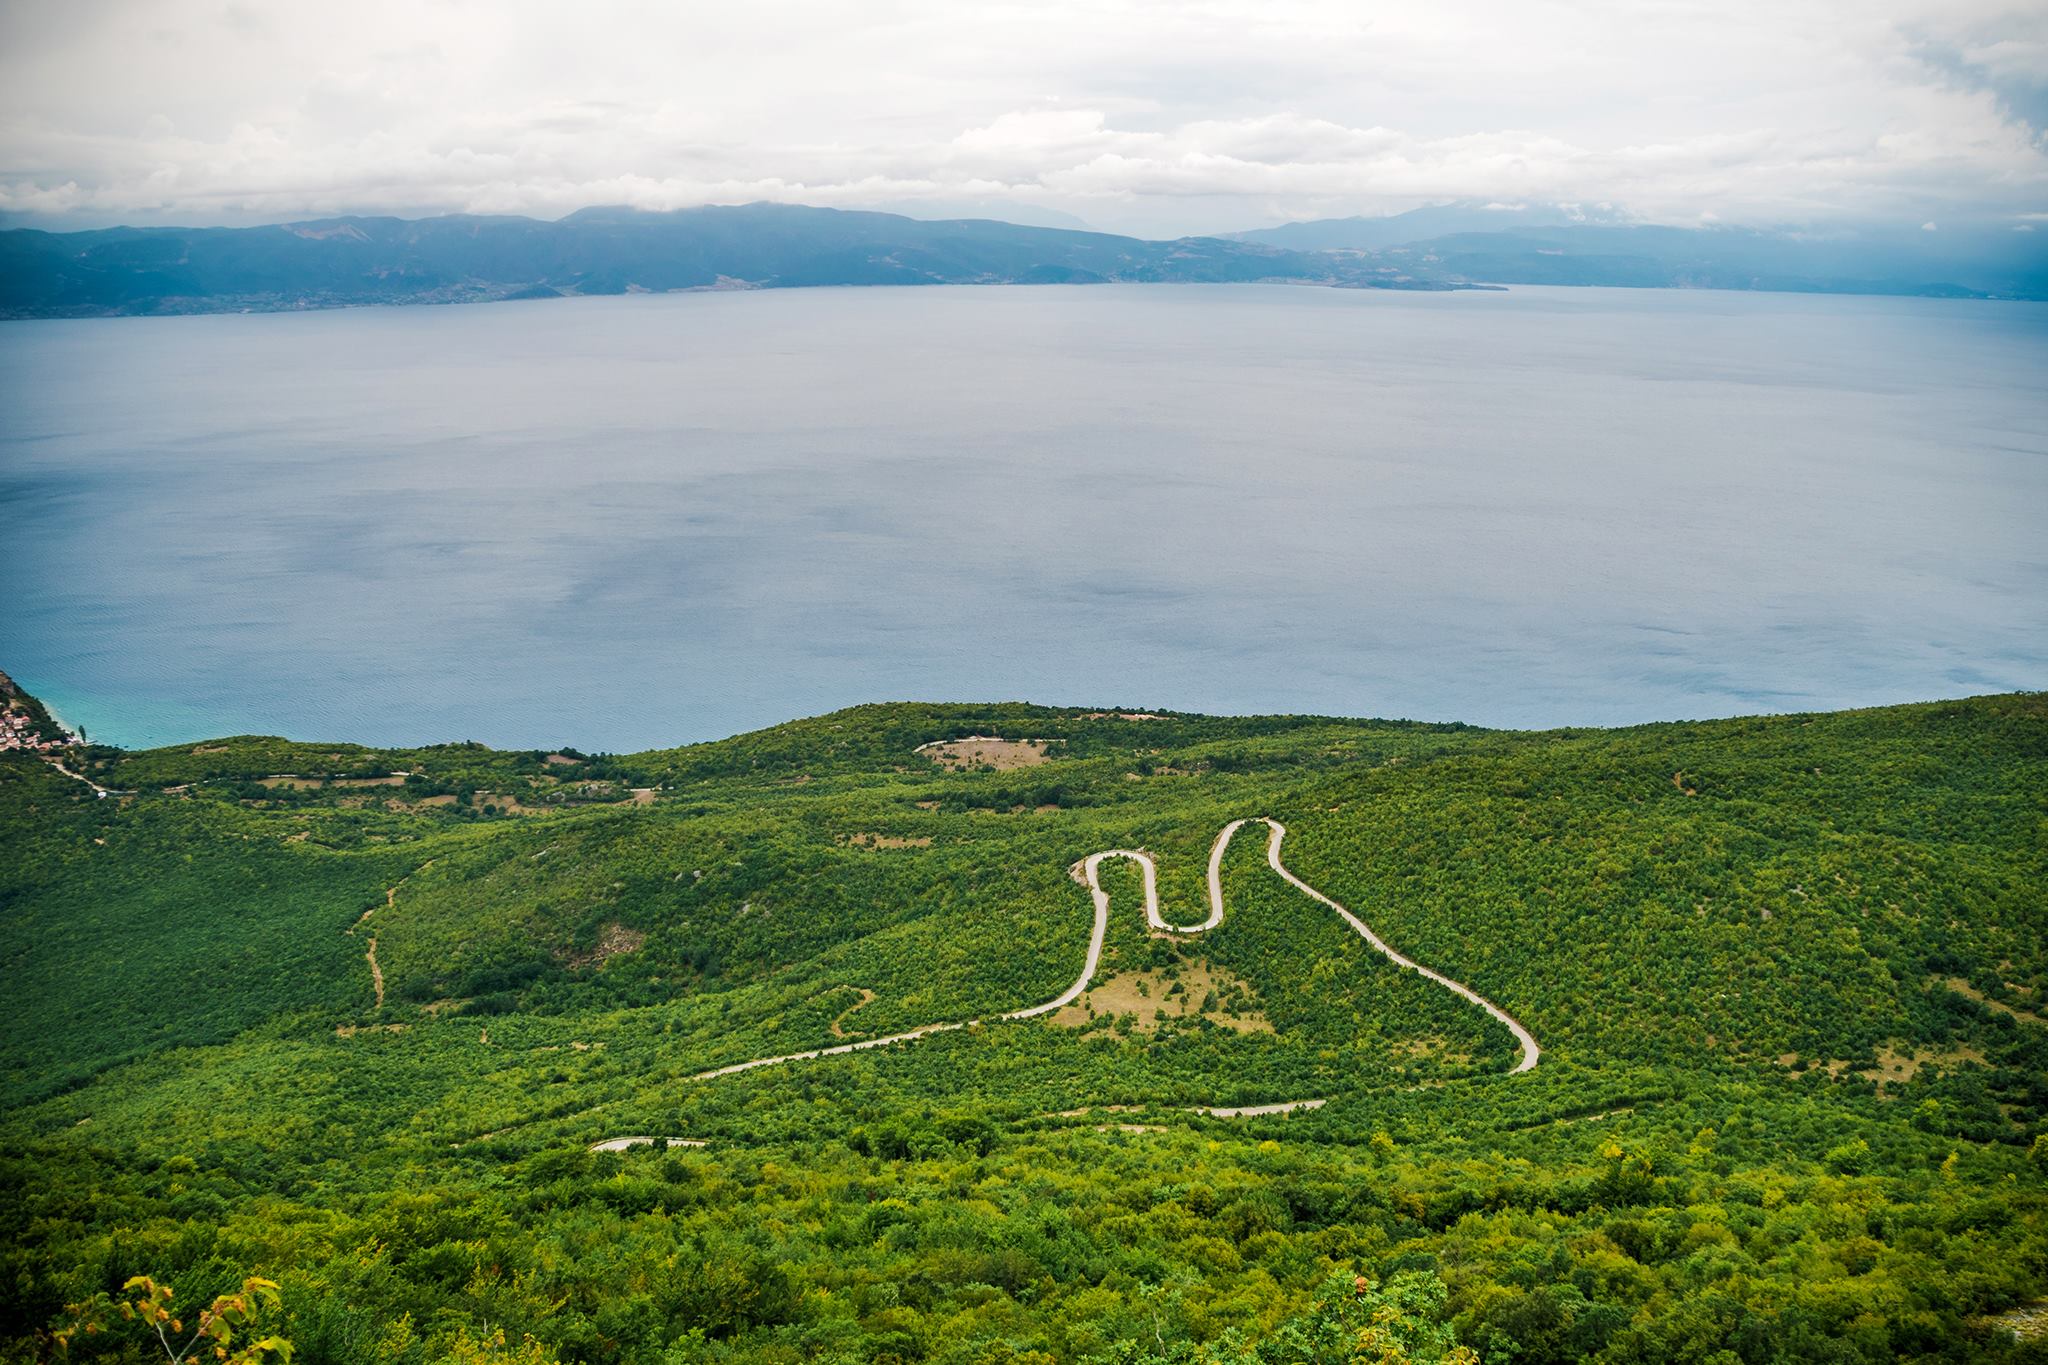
x: 353, y: 1021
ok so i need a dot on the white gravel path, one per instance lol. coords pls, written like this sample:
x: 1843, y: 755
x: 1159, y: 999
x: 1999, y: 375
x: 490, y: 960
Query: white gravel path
x: 1089, y: 870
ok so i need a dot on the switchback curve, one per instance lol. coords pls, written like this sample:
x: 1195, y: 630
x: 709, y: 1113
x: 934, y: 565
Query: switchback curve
x: 1088, y: 874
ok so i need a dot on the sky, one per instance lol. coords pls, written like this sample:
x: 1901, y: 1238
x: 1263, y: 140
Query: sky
x: 1157, y: 118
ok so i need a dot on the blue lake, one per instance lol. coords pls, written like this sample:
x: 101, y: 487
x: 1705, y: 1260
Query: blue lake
x: 630, y: 522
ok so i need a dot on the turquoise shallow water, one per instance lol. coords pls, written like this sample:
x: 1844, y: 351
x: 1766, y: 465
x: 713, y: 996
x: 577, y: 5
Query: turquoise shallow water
x: 629, y: 522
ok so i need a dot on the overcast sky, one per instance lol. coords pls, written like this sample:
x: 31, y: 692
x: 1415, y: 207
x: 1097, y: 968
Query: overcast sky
x: 1160, y: 118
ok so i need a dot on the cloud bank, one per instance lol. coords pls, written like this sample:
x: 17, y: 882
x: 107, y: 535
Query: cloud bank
x: 1160, y: 118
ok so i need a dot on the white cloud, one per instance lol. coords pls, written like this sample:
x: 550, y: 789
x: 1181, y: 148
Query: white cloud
x: 1138, y: 115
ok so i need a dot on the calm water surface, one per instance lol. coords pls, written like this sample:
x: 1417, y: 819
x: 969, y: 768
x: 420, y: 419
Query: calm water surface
x: 621, y: 523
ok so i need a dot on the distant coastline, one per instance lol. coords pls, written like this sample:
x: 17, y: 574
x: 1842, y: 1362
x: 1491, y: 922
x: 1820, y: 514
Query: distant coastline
x: 364, y: 261
x: 350, y: 262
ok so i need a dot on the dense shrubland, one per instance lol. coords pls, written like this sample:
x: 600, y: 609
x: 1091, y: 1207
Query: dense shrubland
x: 1789, y: 975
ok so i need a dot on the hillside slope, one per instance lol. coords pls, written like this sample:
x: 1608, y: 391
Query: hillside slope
x: 1789, y: 975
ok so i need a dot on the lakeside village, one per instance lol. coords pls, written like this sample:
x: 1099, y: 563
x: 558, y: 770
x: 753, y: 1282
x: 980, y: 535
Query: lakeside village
x: 24, y: 724
x: 20, y: 730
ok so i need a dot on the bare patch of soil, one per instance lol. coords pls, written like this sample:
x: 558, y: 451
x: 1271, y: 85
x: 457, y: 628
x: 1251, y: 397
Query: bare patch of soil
x: 1252, y: 1111
x: 376, y: 972
x: 1595, y: 1118
x: 294, y: 781
x: 990, y: 751
x: 1896, y: 1067
x: 511, y: 805
x: 614, y: 940
x: 1431, y: 1047
x: 351, y: 1030
x: 1833, y: 1066
x: 867, y: 840
x: 562, y: 760
x: 424, y: 803
x: 1203, y: 990
x: 1897, y: 1063
x: 1963, y: 987
x: 837, y: 1026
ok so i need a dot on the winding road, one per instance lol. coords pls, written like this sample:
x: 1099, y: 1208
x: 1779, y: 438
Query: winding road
x: 97, y: 789
x: 1089, y: 870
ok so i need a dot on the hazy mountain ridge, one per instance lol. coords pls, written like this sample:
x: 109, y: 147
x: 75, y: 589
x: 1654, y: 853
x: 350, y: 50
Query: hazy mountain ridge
x: 1563, y: 245
x: 350, y: 261
x: 354, y: 260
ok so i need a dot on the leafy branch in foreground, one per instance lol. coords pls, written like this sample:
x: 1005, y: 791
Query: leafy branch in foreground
x: 214, y: 1333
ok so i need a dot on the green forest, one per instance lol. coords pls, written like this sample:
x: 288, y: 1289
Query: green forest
x: 352, y: 1035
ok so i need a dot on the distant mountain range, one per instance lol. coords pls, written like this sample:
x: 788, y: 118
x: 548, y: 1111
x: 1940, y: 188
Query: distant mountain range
x: 344, y: 261
x: 1557, y: 245
x: 1416, y: 225
x: 340, y: 262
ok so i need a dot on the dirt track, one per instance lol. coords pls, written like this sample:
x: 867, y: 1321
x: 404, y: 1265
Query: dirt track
x: 1088, y: 871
